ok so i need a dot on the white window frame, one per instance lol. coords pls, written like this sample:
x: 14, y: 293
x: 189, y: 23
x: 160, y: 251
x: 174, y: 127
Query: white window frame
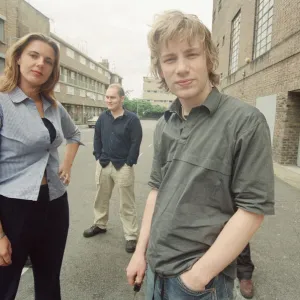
x: 92, y: 65
x: 70, y: 53
x: 82, y: 60
x: 263, y: 27
x: 91, y: 95
x: 82, y: 93
x: 2, y: 28
x: 70, y: 90
x: 235, y: 43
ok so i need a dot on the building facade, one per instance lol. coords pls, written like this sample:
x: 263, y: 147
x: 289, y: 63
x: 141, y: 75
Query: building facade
x: 259, y: 42
x: 17, y: 18
x: 154, y: 94
x: 83, y: 81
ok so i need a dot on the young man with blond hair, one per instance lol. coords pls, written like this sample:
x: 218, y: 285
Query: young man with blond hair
x: 212, y: 176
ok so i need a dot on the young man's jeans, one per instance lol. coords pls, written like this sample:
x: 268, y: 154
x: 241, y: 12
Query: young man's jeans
x: 158, y: 288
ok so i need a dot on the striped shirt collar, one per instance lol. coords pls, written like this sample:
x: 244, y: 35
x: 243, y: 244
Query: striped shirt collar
x: 17, y: 96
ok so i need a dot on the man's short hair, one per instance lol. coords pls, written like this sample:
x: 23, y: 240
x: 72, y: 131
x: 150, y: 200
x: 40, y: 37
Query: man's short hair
x: 175, y: 24
x: 119, y: 87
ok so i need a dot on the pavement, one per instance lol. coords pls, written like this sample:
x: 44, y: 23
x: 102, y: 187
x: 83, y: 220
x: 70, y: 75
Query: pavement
x: 95, y: 268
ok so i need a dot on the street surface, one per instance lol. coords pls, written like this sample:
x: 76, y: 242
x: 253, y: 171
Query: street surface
x: 94, y: 268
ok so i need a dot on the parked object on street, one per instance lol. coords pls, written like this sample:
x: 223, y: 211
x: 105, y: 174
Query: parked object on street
x: 92, y: 122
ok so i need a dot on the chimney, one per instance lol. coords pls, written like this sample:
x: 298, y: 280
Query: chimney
x: 105, y: 63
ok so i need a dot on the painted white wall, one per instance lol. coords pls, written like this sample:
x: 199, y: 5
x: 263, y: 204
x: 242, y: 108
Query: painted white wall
x: 267, y: 105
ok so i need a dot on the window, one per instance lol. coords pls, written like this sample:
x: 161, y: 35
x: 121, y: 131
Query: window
x: 100, y: 97
x: 63, y: 74
x: 82, y: 60
x: 2, y: 29
x: 92, y: 66
x: 70, y: 53
x: 116, y: 79
x: 2, y: 65
x: 263, y: 27
x: 82, y: 93
x: 100, y: 70
x: 72, y: 75
x: 57, y: 88
x: 235, y: 43
x: 223, y: 41
x: 70, y: 90
x: 91, y: 95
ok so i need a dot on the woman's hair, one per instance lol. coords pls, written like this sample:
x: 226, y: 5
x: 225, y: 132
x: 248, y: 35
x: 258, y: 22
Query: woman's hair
x: 175, y: 24
x: 11, y: 77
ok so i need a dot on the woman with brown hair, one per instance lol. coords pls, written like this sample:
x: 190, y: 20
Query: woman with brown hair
x: 34, y: 213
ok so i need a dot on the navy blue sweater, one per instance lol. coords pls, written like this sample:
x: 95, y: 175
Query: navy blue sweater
x: 117, y: 140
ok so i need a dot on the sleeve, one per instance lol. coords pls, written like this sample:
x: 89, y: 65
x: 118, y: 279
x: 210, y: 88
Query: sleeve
x: 253, y: 176
x: 70, y: 130
x: 136, y: 135
x: 97, y: 139
x: 155, y: 176
x: 1, y: 121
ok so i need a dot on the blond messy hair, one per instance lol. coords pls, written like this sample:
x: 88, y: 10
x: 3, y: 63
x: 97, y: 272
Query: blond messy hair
x: 11, y: 76
x: 175, y: 24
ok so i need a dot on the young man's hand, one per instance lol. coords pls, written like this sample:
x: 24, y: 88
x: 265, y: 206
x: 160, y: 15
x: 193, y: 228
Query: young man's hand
x: 136, y: 269
x: 194, y: 281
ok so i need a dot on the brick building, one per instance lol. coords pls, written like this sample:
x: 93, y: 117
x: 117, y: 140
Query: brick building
x: 259, y: 51
x: 155, y: 95
x: 83, y: 81
x: 17, y: 18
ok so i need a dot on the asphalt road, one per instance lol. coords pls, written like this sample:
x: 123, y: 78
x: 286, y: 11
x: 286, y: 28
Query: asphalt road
x: 95, y: 268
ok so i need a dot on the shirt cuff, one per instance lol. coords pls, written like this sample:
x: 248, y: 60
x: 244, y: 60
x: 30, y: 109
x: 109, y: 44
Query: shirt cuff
x: 71, y: 141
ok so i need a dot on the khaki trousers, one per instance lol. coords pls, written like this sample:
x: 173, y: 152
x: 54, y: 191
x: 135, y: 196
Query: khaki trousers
x: 106, y: 178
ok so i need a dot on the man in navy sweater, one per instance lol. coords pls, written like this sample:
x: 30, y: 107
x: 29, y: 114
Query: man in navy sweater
x: 117, y: 140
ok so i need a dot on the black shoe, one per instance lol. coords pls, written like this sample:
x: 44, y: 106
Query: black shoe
x: 130, y: 246
x: 93, y: 231
x: 28, y: 263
